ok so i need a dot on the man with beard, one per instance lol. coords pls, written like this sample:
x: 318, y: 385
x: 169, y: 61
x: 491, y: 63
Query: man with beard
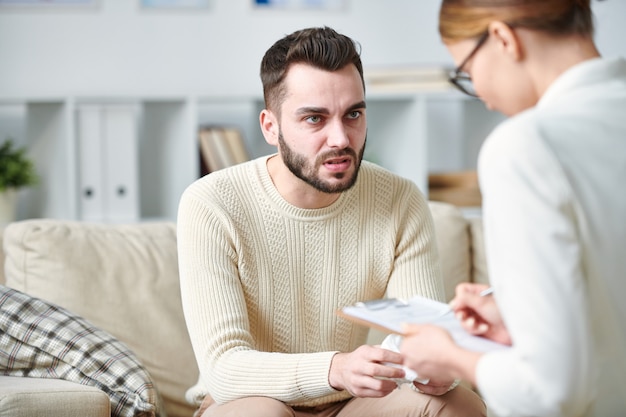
x: 270, y: 249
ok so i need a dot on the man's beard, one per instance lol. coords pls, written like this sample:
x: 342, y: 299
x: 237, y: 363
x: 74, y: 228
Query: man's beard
x: 299, y: 166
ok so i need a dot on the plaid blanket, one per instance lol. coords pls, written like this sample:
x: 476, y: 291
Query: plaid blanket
x: 42, y: 340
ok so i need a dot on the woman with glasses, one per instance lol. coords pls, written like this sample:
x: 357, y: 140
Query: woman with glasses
x: 553, y: 178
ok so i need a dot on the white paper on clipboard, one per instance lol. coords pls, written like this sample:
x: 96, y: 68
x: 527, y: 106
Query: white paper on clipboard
x: 390, y: 314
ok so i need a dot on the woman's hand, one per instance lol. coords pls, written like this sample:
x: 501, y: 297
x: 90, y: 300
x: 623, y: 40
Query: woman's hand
x: 479, y: 315
x: 432, y: 353
x: 427, y: 349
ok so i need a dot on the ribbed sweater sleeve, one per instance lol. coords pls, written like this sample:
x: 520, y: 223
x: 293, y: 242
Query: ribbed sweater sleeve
x: 261, y: 280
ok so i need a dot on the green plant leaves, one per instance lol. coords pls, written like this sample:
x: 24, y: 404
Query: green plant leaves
x: 16, y: 169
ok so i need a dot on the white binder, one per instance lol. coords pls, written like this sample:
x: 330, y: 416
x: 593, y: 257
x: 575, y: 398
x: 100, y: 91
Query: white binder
x: 121, y: 193
x: 108, y: 154
x: 90, y: 164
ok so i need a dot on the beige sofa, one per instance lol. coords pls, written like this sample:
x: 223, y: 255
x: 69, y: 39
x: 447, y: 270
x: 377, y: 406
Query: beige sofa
x: 124, y: 279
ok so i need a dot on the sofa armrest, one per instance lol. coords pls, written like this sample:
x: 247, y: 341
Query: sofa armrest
x: 21, y: 396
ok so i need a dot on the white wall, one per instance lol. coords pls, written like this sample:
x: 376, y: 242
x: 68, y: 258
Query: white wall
x: 119, y: 49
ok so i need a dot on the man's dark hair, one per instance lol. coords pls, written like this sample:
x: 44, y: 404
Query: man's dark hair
x: 321, y: 48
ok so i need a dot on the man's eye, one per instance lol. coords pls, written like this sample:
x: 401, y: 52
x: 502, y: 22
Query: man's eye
x: 354, y: 114
x: 313, y: 119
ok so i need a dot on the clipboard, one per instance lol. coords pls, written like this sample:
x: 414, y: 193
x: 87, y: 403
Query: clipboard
x: 389, y: 314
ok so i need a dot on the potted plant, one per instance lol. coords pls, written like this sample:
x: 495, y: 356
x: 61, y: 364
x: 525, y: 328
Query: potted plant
x: 16, y: 171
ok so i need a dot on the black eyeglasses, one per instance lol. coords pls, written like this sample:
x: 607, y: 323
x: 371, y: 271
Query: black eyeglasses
x: 461, y: 79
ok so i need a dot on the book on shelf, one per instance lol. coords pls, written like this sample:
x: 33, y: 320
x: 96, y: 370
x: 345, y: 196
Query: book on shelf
x: 221, y: 147
x: 407, y: 78
x: 234, y: 140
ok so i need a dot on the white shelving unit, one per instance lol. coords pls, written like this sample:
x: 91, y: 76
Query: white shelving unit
x: 401, y: 126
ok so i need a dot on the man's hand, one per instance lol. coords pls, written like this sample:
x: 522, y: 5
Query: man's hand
x: 479, y: 315
x: 363, y: 373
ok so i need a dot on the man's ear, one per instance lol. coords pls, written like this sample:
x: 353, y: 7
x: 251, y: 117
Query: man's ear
x: 507, y: 40
x: 269, y: 126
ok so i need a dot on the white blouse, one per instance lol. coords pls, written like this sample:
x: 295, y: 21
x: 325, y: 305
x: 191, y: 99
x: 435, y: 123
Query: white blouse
x: 553, y: 180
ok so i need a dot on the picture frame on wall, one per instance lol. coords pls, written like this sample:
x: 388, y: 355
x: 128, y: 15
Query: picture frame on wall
x: 174, y: 4
x: 323, y: 5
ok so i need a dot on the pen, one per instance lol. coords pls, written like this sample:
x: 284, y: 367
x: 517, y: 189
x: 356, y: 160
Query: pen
x: 486, y: 292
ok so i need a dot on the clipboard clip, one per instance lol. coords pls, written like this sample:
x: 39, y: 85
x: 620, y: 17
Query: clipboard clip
x: 382, y: 304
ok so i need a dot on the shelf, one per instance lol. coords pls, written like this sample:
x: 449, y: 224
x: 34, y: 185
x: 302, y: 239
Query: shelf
x: 402, y: 126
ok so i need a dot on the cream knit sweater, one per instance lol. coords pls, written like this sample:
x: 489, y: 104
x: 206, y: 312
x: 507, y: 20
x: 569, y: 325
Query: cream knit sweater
x: 261, y: 280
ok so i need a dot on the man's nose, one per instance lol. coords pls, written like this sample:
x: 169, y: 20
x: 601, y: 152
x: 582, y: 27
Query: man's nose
x: 338, y: 135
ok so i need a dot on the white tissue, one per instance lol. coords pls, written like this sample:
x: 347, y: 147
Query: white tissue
x: 392, y: 342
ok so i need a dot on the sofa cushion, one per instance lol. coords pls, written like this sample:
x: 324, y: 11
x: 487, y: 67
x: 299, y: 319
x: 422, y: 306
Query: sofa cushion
x: 122, y: 278
x: 42, y: 340
x: 51, y: 398
x: 453, y: 242
x: 479, y: 257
